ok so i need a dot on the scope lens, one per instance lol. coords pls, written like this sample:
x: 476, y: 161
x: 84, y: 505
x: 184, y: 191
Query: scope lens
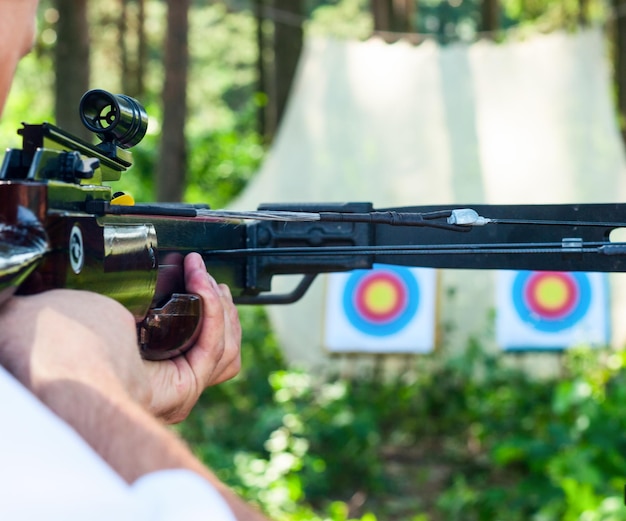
x: 114, y: 117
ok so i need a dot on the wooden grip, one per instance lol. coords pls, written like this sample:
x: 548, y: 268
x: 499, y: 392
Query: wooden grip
x: 171, y: 329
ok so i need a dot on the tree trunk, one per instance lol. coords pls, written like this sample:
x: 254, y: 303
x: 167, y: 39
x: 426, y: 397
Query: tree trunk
x: 142, y: 49
x: 619, y: 64
x: 381, y: 11
x: 393, y: 16
x: 403, y: 11
x: 583, y: 12
x: 170, y: 175
x: 262, y: 85
x: 71, y: 64
x: 490, y: 17
x: 122, y: 31
x: 131, y: 27
x: 288, y: 40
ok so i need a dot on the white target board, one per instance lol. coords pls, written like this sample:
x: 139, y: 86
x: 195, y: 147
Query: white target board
x: 389, y: 309
x: 538, y: 310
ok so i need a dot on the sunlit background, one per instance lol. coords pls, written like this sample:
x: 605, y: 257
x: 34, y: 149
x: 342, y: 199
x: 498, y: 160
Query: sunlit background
x: 396, y: 102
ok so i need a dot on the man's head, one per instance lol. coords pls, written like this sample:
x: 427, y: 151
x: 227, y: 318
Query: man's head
x: 17, y: 32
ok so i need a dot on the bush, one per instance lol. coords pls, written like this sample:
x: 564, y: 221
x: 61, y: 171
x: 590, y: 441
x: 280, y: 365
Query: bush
x: 464, y: 437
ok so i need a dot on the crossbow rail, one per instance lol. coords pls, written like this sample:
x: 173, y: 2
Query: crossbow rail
x: 308, y: 239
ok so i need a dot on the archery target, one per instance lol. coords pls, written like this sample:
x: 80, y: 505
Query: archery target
x: 388, y: 309
x: 551, y: 310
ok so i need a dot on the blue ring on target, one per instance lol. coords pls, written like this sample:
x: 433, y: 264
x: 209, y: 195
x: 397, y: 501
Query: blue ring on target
x: 403, y: 282
x: 578, y: 304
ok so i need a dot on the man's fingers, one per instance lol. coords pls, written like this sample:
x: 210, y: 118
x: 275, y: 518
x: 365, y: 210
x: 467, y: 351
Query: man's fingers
x: 205, y: 356
x: 230, y: 362
x: 216, y: 356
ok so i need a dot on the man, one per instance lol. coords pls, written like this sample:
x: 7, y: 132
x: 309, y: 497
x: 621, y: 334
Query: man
x: 83, y: 426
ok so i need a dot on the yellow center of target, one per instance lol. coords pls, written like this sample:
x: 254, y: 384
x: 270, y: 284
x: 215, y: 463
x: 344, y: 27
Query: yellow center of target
x: 380, y: 297
x: 552, y: 293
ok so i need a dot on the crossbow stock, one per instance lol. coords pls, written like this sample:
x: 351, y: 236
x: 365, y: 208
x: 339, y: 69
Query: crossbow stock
x: 62, y: 227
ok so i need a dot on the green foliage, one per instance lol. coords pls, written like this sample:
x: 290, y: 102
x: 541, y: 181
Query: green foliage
x: 222, y: 75
x: 30, y: 99
x: 224, y: 149
x: 453, y: 438
x: 466, y: 437
x: 461, y: 20
x: 258, y: 434
x: 222, y: 163
x: 345, y: 19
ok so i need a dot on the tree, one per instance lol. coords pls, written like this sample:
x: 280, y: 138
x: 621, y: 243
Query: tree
x: 619, y: 62
x: 172, y: 164
x: 131, y: 27
x: 287, y: 44
x: 262, y: 83
x: 490, y: 16
x: 71, y: 63
x: 393, y: 15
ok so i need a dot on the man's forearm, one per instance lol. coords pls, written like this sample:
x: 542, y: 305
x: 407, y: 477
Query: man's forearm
x: 61, y: 345
x: 129, y: 439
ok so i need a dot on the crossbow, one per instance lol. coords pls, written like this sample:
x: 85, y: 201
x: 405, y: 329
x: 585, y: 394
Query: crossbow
x: 61, y: 226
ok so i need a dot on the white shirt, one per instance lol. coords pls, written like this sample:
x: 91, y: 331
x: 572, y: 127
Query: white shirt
x: 48, y: 472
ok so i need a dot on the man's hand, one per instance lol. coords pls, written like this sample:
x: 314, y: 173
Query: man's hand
x: 177, y: 383
x: 87, y: 338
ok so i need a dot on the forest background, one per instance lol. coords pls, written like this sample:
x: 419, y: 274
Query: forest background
x: 455, y: 437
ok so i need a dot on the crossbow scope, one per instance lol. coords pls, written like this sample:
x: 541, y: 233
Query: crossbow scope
x: 114, y: 118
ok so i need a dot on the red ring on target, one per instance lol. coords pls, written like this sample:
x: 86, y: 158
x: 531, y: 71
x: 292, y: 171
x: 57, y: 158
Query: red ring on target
x: 552, y: 295
x: 382, y: 301
x: 387, y: 285
x: 551, y: 301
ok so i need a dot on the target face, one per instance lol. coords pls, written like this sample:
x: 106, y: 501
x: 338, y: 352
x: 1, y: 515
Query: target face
x: 551, y: 301
x: 551, y: 309
x: 387, y: 309
x: 381, y: 302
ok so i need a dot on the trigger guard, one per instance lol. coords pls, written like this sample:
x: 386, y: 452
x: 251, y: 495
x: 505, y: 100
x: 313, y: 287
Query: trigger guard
x: 172, y: 329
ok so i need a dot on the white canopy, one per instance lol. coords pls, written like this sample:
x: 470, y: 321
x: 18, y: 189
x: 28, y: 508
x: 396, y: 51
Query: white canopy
x: 396, y: 124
